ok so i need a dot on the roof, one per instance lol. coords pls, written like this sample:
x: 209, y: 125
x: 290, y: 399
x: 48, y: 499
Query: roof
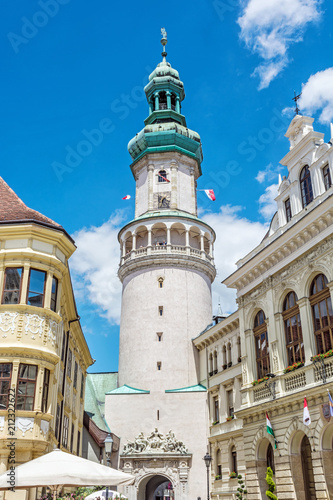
x: 97, y: 385
x: 126, y: 389
x: 12, y: 208
x: 191, y: 388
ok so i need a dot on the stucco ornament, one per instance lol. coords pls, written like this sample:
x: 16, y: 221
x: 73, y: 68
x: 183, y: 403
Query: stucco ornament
x: 44, y: 427
x: 25, y: 424
x: 156, y: 442
x: 8, y: 322
x: 2, y: 423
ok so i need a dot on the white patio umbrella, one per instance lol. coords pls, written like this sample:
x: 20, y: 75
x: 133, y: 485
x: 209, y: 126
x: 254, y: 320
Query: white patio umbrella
x: 58, y: 469
x: 112, y: 495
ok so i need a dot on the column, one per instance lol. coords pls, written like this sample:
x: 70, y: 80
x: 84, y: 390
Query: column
x: 202, y: 246
x: 251, y: 371
x: 2, y: 276
x: 210, y: 248
x: 174, y: 185
x: 168, y: 240
x: 150, y: 187
x: 168, y: 95
x: 193, y: 193
x: 149, y: 242
x: 25, y: 279
x: 39, y: 388
x: 307, y: 329
x: 281, y: 360
x: 177, y: 104
x: 133, y: 242
x: 157, y: 101
x: 187, y: 241
x: 48, y: 290
x: 150, y: 106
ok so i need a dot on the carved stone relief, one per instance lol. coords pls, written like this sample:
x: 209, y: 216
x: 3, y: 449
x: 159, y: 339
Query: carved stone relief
x: 24, y: 424
x: 155, y: 443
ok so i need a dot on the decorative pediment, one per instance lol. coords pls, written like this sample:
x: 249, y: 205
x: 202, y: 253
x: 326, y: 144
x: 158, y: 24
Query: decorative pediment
x: 155, y: 443
x: 321, y: 150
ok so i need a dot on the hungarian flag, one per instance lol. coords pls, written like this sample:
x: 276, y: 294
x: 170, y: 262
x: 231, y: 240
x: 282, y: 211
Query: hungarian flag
x: 270, y: 429
x: 127, y: 197
x: 330, y: 403
x: 306, y: 414
x: 210, y: 193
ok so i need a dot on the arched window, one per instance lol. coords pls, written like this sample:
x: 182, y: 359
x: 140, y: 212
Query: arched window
x: 239, y: 352
x: 293, y: 329
x: 233, y: 460
x: 261, y: 341
x: 162, y: 176
x: 229, y: 355
x: 215, y: 362
x: 320, y: 300
x: 327, y: 177
x: 270, y: 458
x: 163, y: 100
x: 224, y: 357
x: 306, y: 186
x: 173, y: 102
x: 218, y: 469
x: 210, y: 364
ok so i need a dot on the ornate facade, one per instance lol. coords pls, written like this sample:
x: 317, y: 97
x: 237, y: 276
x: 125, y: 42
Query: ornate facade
x: 285, y: 320
x: 43, y: 356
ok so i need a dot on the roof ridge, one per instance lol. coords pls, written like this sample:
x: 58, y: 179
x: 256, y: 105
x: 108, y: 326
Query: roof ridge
x: 13, y: 209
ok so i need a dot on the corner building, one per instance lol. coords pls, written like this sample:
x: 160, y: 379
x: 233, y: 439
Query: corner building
x: 159, y: 409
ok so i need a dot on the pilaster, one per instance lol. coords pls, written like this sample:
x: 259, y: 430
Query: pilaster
x: 174, y: 185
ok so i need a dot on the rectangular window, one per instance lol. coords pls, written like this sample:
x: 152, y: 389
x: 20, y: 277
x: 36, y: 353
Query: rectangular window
x: 12, y: 285
x: 65, y: 431
x: 72, y: 438
x: 78, y: 443
x: 216, y: 409
x: 159, y: 336
x: 75, y: 375
x: 230, y: 399
x: 327, y: 177
x: 5, y: 378
x: 63, y: 347
x: 57, y: 422
x: 159, y: 365
x: 158, y: 414
x: 288, y: 209
x: 69, y: 364
x: 26, y: 387
x: 46, y: 386
x: 54, y: 293
x: 82, y: 386
x: 36, y: 288
x: 160, y: 310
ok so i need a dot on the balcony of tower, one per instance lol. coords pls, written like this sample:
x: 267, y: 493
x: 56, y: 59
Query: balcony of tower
x: 182, y: 240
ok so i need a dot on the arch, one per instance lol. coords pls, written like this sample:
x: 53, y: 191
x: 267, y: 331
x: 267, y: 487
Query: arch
x: 256, y: 450
x: 162, y: 176
x: 178, y: 234
x: 215, y: 361
x: 261, y: 344
x: 141, y: 236
x: 128, y: 239
x: 293, y: 329
x: 224, y: 357
x: 195, y: 237
x: 148, y: 484
x: 159, y: 234
x: 210, y: 365
x: 207, y: 239
x: 233, y: 465
x: 229, y: 361
x: 322, y: 314
x: 163, y: 100
x: 308, y: 277
x: 306, y: 186
x: 327, y: 456
x: 218, y: 464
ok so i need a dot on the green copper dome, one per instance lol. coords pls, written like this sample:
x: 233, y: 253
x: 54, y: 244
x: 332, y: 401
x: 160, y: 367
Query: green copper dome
x: 164, y: 69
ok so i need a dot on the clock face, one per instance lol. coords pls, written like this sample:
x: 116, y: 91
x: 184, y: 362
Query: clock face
x: 162, y: 200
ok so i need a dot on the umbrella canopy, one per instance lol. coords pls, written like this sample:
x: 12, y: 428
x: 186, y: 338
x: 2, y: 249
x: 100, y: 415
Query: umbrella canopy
x: 112, y: 495
x: 58, y: 468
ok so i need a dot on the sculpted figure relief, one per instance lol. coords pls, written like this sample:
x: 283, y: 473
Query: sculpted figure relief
x: 156, y: 442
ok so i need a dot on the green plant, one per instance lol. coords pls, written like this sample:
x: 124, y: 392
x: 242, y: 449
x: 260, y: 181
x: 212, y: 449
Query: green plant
x: 216, y: 422
x: 293, y: 367
x: 233, y: 475
x: 271, y: 485
x: 260, y: 381
x: 230, y: 418
x: 327, y: 354
x: 241, y: 491
x: 218, y: 477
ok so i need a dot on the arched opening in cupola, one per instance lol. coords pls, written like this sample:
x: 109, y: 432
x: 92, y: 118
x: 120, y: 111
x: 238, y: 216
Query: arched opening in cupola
x: 163, y: 100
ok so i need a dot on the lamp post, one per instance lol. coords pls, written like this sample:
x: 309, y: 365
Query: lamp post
x: 207, y: 458
x: 108, y: 442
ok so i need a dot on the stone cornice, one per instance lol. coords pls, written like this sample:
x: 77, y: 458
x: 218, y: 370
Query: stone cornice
x: 216, y: 332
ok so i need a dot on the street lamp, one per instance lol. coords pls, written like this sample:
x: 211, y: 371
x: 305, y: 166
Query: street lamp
x: 207, y: 458
x: 108, y: 442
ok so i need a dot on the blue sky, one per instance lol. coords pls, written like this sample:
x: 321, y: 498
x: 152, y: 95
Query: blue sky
x: 71, y: 67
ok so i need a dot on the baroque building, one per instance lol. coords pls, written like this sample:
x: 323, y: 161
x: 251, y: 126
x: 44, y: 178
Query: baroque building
x: 166, y: 269
x: 285, y: 324
x: 43, y: 353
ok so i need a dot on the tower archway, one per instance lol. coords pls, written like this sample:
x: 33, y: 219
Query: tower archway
x: 155, y: 487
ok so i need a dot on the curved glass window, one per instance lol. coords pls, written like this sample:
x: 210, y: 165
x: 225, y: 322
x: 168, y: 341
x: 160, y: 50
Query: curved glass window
x: 322, y: 314
x: 306, y: 186
x: 293, y: 329
x: 262, y: 347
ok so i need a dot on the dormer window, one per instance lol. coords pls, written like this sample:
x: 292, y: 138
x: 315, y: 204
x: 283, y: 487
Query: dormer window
x: 288, y: 209
x: 162, y: 176
x: 327, y: 177
x: 306, y: 186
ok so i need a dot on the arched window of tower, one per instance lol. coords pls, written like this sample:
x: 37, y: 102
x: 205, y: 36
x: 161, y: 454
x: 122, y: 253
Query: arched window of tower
x: 162, y: 176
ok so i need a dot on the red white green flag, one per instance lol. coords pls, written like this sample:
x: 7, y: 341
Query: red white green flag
x: 306, y: 413
x: 270, y: 429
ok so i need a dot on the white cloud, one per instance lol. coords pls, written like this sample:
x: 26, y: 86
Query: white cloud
x: 269, y: 173
x: 235, y: 237
x: 317, y: 95
x: 95, y: 265
x: 269, y: 28
x: 267, y: 203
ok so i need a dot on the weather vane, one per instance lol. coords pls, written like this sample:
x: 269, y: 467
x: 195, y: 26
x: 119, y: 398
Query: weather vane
x: 164, y: 41
x: 296, y: 98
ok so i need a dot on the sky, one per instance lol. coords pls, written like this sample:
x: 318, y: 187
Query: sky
x: 73, y: 73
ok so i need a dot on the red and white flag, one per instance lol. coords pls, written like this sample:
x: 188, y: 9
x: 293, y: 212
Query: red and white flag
x: 127, y: 197
x: 210, y: 193
x: 306, y: 414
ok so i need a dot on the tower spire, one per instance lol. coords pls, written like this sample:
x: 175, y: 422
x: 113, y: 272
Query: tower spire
x: 164, y: 41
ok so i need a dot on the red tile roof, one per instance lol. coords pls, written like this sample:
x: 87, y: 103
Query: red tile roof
x: 12, y: 208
